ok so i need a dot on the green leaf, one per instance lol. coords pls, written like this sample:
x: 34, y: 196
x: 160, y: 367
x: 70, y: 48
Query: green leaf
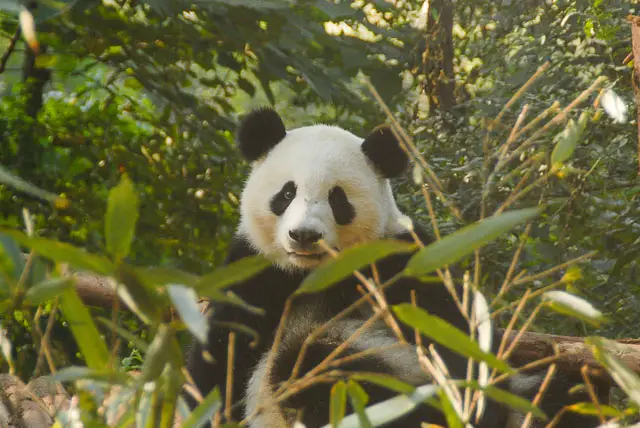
x: 246, y: 86
x: 205, y: 410
x: 230, y: 274
x: 120, y: 220
x: 359, y: 398
x: 161, y: 276
x: 385, y: 381
x: 25, y: 187
x: 338, y: 405
x: 447, y: 335
x: 591, y: 409
x: 450, y: 413
x: 11, y: 263
x: 455, y: 246
x: 124, y: 333
x: 61, y: 252
x: 567, y: 140
x: 185, y: 301
x: 84, y: 331
x: 73, y: 373
x: 48, y: 289
x: 626, y: 379
x: 513, y: 401
x: 232, y: 299
x: 391, y: 409
x: 157, y: 355
x: 348, y: 261
x: 240, y: 328
x: 144, y: 302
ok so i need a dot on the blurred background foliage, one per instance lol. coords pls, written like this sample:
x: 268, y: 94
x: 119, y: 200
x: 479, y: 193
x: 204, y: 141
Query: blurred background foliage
x: 154, y: 89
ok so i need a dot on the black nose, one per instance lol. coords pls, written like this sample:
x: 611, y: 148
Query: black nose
x: 305, y: 236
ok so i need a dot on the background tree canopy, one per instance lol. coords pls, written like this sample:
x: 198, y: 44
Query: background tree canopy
x: 154, y: 89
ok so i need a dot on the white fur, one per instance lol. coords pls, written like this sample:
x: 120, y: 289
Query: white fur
x: 316, y: 158
x: 402, y: 361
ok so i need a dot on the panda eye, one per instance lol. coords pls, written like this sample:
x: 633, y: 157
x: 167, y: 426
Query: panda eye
x: 288, y: 195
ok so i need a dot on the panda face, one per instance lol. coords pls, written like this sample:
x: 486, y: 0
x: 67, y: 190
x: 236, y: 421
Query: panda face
x: 316, y: 183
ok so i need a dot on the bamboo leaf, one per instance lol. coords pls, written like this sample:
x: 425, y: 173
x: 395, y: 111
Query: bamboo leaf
x: 121, y: 217
x: 447, y: 335
x: 205, y: 410
x: 359, y: 398
x: 348, y: 261
x: 48, y: 290
x: 84, y: 331
x: 185, y: 301
x: 230, y: 274
x: 391, y: 409
x: 338, y: 405
x: 464, y: 241
x: 61, y: 252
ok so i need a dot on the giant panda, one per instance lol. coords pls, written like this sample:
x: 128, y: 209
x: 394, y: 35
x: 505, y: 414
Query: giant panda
x: 323, y: 183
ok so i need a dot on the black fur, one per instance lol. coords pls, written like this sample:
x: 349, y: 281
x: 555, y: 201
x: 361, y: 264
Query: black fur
x: 384, y: 151
x: 281, y: 200
x: 343, y: 211
x: 272, y: 287
x: 259, y: 132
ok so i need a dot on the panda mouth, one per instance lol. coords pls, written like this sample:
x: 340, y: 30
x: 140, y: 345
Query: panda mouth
x: 308, y: 255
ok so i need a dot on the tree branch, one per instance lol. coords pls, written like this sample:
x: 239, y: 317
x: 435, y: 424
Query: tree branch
x: 12, y: 45
x: 95, y: 290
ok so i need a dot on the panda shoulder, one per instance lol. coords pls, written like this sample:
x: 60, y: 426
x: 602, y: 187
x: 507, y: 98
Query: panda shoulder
x: 239, y: 248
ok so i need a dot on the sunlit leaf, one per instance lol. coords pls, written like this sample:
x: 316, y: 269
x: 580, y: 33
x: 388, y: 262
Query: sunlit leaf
x: 592, y: 409
x: 447, y: 335
x: 394, y: 408
x: 614, y: 106
x: 572, y: 305
x: 348, y: 261
x: 28, y: 27
x: 185, y: 301
x: 121, y: 217
x: 454, y: 247
x: 6, y: 347
x: 627, y: 380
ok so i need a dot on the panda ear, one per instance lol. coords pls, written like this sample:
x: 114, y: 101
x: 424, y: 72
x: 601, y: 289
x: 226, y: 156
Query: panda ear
x: 384, y: 151
x: 259, y: 132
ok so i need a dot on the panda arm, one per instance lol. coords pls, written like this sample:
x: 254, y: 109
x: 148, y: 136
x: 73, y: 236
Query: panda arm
x: 268, y: 290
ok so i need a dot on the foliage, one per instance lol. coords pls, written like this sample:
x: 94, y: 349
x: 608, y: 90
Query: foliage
x: 151, y: 91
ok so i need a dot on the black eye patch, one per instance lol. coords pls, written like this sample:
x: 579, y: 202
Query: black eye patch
x: 283, y: 198
x: 343, y: 211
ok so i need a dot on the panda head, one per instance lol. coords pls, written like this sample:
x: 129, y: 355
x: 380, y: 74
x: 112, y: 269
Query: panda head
x: 315, y: 183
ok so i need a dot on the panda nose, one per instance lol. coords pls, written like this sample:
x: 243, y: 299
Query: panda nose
x: 305, y: 236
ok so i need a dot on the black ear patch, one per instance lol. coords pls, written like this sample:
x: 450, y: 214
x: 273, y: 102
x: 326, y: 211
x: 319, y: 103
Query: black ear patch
x: 384, y: 151
x: 259, y: 132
